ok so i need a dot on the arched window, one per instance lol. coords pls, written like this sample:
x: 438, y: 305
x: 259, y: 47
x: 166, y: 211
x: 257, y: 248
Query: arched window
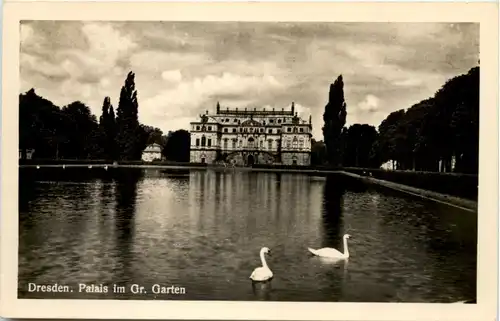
x: 250, y: 142
x: 295, y: 129
x: 203, y: 141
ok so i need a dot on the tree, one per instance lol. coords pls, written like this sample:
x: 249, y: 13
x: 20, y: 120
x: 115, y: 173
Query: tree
x: 334, y: 119
x: 153, y: 135
x: 178, y: 146
x: 359, y: 140
x: 130, y: 134
x: 107, y: 131
x: 318, y: 152
x: 79, y: 126
x: 434, y: 132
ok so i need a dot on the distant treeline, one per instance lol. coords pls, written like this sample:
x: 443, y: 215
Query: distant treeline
x: 434, y: 132
x: 73, y: 132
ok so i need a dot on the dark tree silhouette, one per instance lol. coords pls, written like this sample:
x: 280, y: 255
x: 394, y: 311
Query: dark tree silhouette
x: 178, y: 146
x: 358, y: 142
x: 107, y: 131
x: 436, y: 131
x: 80, y: 127
x: 130, y: 134
x: 334, y: 119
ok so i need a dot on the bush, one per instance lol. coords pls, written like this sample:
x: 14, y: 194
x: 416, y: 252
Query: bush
x: 460, y: 185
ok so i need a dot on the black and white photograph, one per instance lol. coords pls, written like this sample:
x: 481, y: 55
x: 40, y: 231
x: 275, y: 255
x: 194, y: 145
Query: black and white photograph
x: 279, y: 161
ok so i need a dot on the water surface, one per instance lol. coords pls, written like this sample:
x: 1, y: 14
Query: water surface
x: 202, y: 230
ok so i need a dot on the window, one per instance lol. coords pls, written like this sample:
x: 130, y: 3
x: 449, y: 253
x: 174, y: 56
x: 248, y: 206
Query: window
x: 251, y: 130
x: 209, y: 128
x: 270, y: 131
x: 301, y: 143
x: 225, y: 130
x: 278, y: 131
x: 271, y: 121
x: 288, y: 143
x: 225, y: 143
x: 295, y: 129
x: 197, y: 142
x: 203, y: 141
x: 262, y: 130
x: 301, y: 130
x: 261, y: 144
x: 197, y: 127
x: 234, y: 143
x: 203, y: 160
x: 244, y: 130
x: 295, y: 143
x: 250, y: 142
x: 279, y: 121
x: 235, y: 120
x: 270, y: 144
x: 209, y: 142
x: 227, y: 120
x: 289, y: 129
x: 234, y: 130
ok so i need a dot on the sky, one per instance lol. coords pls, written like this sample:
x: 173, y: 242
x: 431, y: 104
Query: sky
x: 183, y: 69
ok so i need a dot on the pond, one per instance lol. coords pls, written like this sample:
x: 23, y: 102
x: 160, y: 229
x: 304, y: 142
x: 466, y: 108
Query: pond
x: 197, y: 234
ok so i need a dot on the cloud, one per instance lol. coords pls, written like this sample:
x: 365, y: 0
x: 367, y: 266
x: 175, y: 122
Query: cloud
x: 174, y: 76
x: 370, y: 104
x: 190, y: 97
x: 184, y: 68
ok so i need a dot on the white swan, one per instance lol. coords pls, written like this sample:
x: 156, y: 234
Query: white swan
x: 331, y: 252
x: 262, y: 273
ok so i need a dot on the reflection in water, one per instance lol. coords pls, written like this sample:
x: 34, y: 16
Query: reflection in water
x: 262, y: 290
x: 332, y: 213
x: 204, y: 230
x: 125, y: 195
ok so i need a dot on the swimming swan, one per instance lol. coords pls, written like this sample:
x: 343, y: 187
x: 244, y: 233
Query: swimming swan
x: 262, y: 273
x: 331, y: 252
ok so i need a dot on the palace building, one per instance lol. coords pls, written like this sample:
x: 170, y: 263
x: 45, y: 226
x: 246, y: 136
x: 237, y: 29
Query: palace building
x: 245, y: 137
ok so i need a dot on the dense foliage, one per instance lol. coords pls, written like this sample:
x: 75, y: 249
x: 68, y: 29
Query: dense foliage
x: 437, y: 131
x: 334, y: 119
x: 72, y: 132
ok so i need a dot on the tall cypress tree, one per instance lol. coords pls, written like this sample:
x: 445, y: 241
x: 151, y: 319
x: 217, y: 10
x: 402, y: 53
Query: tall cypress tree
x: 107, y: 130
x: 128, y: 129
x: 334, y: 118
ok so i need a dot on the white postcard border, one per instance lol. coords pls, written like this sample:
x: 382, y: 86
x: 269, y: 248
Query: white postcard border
x: 484, y: 13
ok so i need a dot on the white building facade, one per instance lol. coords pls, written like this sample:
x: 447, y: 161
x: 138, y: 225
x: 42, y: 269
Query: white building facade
x: 246, y: 137
x: 152, y: 152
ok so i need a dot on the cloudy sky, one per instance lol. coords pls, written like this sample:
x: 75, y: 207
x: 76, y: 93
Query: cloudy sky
x: 183, y: 69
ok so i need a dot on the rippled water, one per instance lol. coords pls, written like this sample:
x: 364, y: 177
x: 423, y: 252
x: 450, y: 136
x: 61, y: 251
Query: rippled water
x: 202, y: 230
